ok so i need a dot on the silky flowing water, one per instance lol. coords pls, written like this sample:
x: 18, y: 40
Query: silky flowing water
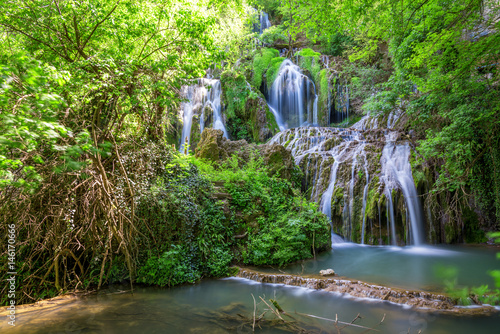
x: 407, y: 267
x: 196, y: 309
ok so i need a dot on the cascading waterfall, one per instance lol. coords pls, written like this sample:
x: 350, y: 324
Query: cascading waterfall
x: 199, y: 98
x: 342, y: 112
x: 291, y: 97
x: 326, y: 60
x: 396, y: 171
x: 365, y: 193
x: 333, y: 161
x: 263, y: 23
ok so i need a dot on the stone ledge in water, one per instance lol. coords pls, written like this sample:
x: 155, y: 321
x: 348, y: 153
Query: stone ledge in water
x: 421, y: 300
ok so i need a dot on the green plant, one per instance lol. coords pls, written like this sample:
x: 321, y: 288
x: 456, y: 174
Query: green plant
x: 273, y: 34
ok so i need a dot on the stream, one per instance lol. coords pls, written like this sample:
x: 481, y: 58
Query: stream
x: 197, y: 308
x: 407, y: 267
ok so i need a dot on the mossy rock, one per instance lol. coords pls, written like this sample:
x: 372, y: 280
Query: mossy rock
x: 273, y: 70
x: 279, y: 160
x: 309, y: 60
x: 195, y: 135
x: 247, y: 114
x: 214, y: 147
x: 211, y: 145
x: 472, y: 229
x: 261, y: 63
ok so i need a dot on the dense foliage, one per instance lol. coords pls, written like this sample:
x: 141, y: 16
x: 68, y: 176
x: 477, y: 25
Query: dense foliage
x: 266, y: 221
x: 83, y: 86
x: 89, y: 109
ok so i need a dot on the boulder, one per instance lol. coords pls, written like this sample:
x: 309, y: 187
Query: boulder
x: 214, y: 147
x: 327, y: 272
x: 278, y: 159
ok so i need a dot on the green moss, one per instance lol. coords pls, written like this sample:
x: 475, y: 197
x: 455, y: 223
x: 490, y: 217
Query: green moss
x: 195, y: 133
x: 273, y: 70
x: 322, y: 88
x: 337, y: 201
x: 273, y: 125
x: 372, y: 199
x: 244, y: 108
x: 261, y: 62
x: 307, y: 52
x: 323, y: 82
x: 472, y: 230
x: 236, y: 92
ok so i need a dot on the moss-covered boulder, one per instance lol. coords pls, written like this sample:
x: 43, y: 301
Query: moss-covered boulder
x: 261, y: 62
x: 211, y: 145
x: 279, y: 160
x: 195, y: 132
x: 214, y: 147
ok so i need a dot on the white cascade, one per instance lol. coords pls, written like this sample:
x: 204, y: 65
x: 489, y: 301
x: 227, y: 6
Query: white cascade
x: 264, y: 21
x: 206, y: 92
x: 396, y: 173
x: 365, y: 194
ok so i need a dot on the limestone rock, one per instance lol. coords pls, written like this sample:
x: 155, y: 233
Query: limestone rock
x: 327, y: 272
x: 211, y: 145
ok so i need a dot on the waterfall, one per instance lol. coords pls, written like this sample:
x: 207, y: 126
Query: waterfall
x: 199, y: 98
x: 264, y: 21
x: 396, y: 172
x: 290, y: 97
x: 341, y: 108
x: 326, y: 60
x: 326, y: 200
x: 365, y: 193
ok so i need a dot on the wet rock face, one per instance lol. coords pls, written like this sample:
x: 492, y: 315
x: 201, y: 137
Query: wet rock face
x: 263, y: 128
x: 214, y: 147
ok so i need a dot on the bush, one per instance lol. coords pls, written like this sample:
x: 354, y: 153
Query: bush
x: 261, y: 62
x: 173, y: 267
x: 273, y: 35
x: 290, y: 238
